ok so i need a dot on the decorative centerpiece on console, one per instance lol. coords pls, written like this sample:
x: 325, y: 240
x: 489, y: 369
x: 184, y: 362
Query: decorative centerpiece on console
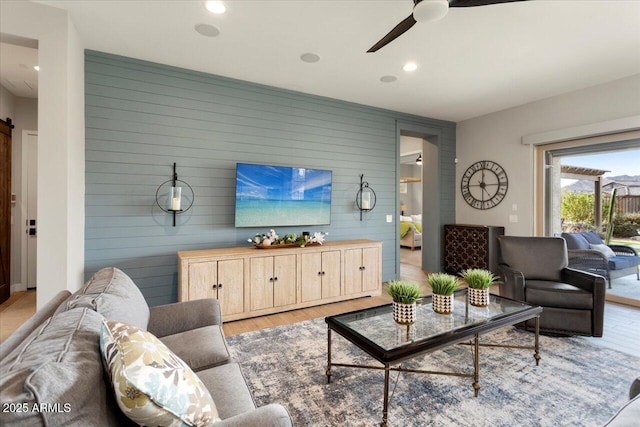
x: 404, y: 294
x: 443, y: 286
x: 272, y: 240
x: 479, y: 281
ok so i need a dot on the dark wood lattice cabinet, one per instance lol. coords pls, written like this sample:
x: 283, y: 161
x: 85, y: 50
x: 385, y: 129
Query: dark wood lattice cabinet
x: 471, y: 246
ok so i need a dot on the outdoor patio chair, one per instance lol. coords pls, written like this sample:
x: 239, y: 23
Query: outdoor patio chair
x: 587, y: 252
x: 535, y: 270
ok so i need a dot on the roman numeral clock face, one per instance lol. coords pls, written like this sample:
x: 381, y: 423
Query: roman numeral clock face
x: 484, y: 184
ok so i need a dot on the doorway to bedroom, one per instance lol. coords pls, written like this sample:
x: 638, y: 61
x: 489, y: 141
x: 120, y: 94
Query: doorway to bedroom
x: 411, y: 193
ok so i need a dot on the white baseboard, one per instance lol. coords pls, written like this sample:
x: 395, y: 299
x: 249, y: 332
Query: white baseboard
x: 18, y: 287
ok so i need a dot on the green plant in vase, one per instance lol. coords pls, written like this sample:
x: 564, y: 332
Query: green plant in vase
x: 404, y: 294
x: 403, y: 291
x: 478, y: 278
x: 443, y: 286
x: 443, y: 283
x: 479, y: 281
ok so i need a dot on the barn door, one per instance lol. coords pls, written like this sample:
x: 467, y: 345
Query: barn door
x: 5, y: 208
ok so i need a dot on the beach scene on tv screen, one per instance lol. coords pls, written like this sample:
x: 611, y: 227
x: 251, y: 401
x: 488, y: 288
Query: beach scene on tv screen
x: 270, y: 196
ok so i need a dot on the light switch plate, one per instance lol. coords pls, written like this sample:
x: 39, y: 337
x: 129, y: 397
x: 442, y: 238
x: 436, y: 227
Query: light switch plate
x: 389, y: 218
x: 513, y: 218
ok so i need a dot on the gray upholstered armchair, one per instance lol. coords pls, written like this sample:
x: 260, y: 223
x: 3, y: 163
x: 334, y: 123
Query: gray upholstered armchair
x: 534, y: 270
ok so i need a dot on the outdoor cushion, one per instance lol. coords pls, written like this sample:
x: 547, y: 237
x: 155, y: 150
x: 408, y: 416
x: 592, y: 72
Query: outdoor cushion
x: 576, y: 241
x: 592, y: 237
x: 200, y: 348
x: 59, y: 364
x: 622, y: 262
x: 113, y: 294
x: 603, y: 249
x: 152, y: 386
x: 557, y: 294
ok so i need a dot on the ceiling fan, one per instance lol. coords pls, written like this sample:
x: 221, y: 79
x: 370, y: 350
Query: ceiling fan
x: 429, y: 10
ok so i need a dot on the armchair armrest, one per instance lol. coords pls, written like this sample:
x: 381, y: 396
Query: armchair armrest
x: 513, y: 283
x: 272, y: 415
x: 623, y: 250
x: 594, y: 284
x: 590, y: 282
x: 183, y: 316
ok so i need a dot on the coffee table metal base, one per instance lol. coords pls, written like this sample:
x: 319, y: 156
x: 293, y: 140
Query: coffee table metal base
x: 475, y: 375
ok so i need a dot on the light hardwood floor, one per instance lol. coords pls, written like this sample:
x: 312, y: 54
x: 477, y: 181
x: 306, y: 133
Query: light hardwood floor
x: 621, y: 322
x: 15, y: 311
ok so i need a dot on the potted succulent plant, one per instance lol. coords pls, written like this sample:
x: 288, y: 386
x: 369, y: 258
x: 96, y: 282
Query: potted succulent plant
x: 443, y: 286
x: 479, y: 281
x: 404, y: 294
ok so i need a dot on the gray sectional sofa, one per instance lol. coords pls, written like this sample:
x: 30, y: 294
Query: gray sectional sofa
x: 629, y: 414
x: 52, y: 372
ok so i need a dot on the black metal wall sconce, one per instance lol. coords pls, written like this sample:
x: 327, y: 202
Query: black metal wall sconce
x: 174, y: 203
x: 366, y: 197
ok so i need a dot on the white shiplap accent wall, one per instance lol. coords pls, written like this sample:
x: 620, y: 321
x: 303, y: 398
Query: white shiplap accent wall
x: 141, y: 117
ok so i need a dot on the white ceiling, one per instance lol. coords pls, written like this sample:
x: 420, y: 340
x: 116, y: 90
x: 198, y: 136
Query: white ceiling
x: 17, y: 74
x: 473, y: 62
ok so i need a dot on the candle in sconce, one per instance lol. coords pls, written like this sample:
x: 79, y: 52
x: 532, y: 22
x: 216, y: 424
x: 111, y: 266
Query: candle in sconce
x: 366, y: 200
x: 176, y: 196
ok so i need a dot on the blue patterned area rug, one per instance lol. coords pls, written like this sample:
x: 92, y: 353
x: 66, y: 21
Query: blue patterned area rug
x: 576, y: 384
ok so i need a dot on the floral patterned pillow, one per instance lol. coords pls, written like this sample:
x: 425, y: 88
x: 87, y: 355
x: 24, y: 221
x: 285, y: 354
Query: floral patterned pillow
x: 152, y: 385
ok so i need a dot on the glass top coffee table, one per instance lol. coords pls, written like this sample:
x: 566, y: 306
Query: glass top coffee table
x: 374, y: 331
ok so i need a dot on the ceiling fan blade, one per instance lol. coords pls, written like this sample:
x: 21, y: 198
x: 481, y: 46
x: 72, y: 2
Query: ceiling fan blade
x: 394, y: 34
x: 471, y: 3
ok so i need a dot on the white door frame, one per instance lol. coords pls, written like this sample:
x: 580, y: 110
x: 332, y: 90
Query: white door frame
x: 23, y: 209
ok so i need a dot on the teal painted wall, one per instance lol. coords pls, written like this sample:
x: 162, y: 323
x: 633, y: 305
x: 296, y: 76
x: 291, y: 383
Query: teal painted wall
x: 141, y: 117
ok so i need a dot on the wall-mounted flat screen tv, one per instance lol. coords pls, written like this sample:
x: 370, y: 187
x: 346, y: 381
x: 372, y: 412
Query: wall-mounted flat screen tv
x: 270, y: 196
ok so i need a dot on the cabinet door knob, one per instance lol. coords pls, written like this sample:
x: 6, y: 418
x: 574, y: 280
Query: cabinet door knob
x: 214, y: 286
x: 319, y: 273
x: 275, y: 278
x: 271, y: 279
x: 219, y: 285
x: 323, y: 273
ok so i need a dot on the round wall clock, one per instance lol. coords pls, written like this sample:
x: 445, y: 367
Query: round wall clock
x: 484, y: 184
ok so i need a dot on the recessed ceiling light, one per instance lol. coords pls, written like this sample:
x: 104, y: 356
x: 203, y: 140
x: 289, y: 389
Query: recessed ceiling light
x: 37, y: 68
x: 410, y: 66
x: 207, y: 30
x: 309, y: 57
x: 388, y: 79
x: 215, y: 6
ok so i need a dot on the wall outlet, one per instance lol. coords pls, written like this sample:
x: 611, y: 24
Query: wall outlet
x: 389, y: 218
x: 514, y: 207
x: 513, y: 218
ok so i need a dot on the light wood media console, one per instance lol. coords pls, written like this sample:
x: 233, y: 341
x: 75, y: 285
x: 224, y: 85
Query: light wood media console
x: 252, y: 282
